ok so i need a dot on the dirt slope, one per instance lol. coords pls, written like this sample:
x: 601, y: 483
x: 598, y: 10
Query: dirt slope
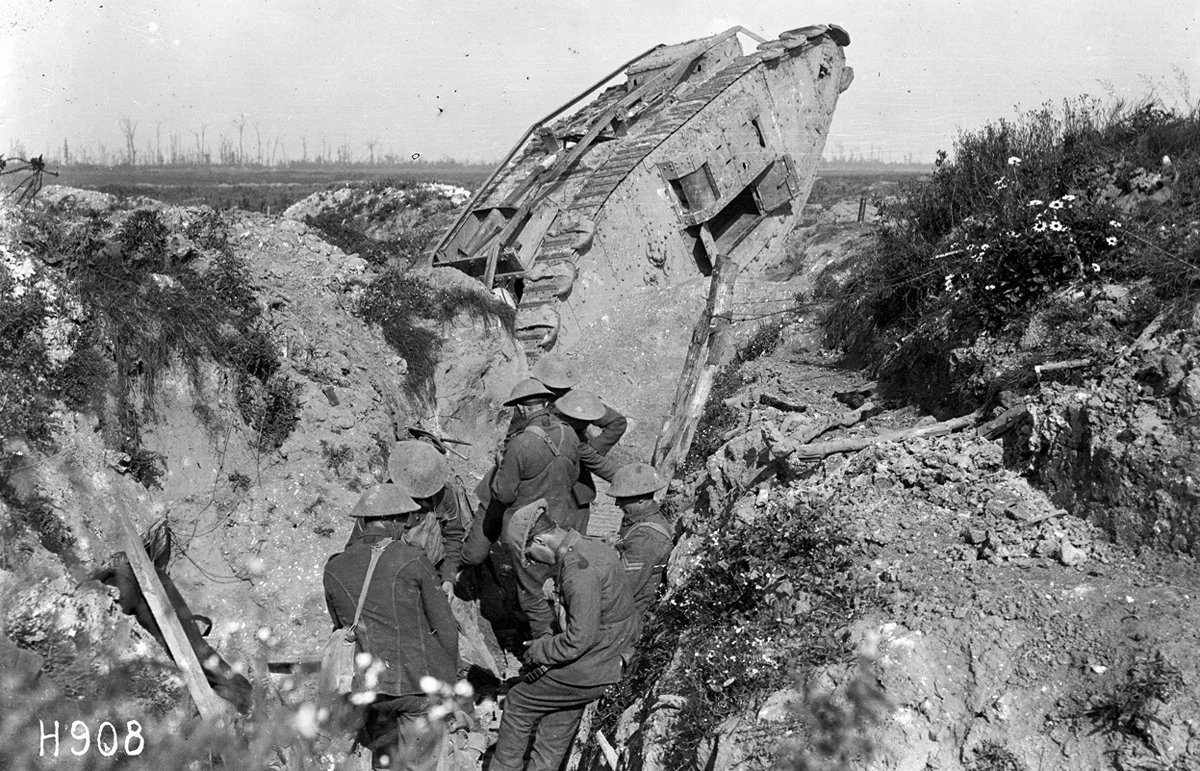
x: 1004, y: 631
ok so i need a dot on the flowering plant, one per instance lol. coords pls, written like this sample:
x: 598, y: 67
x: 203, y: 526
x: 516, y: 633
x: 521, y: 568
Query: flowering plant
x: 1028, y: 248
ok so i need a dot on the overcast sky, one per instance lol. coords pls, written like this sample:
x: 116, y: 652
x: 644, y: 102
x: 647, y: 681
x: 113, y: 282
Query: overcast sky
x: 464, y: 78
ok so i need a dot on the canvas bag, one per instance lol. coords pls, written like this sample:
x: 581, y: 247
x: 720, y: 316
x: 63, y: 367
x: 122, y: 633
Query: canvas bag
x: 337, y: 658
x: 427, y: 536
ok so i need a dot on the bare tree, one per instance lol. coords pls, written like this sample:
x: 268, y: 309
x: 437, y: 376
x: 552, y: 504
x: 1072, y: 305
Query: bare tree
x: 225, y: 153
x: 158, y: 156
x: 201, y: 146
x: 371, y: 145
x: 240, y: 125
x: 128, y: 129
x: 304, y: 149
x: 258, y: 148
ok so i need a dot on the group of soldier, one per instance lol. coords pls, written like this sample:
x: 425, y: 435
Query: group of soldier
x: 583, y: 598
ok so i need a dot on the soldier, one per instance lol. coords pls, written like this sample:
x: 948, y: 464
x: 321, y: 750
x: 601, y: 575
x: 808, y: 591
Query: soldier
x: 405, y: 623
x: 644, y: 540
x: 577, y: 665
x: 542, y: 461
x: 579, y: 409
x: 423, y: 472
x: 560, y: 376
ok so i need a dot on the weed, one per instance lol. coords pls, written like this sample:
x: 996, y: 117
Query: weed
x: 398, y: 301
x: 765, y: 340
x: 147, y: 467
x: 271, y: 410
x: 336, y: 457
x: 1131, y: 709
x: 239, y: 482
x: 25, y: 368
x: 764, y: 600
x: 993, y: 756
x: 718, y: 417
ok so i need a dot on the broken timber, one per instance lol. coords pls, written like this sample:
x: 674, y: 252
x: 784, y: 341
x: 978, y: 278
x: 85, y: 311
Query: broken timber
x: 210, y: 706
x: 705, y: 356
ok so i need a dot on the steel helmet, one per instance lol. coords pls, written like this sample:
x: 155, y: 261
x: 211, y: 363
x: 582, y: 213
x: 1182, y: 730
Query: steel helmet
x: 516, y: 532
x: 384, y: 500
x: 581, y: 405
x: 555, y: 372
x: 635, y: 479
x: 418, y: 467
x: 527, y: 389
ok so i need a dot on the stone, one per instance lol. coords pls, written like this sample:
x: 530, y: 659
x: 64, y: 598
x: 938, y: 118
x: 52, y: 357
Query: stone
x: 780, y: 706
x: 1069, y: 555
x: 1189, y: 393
x: 974, y: 535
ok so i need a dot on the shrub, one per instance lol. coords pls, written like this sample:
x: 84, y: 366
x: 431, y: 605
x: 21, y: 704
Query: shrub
x: 145, y: 302
x: 398, y: 301
x: 766, y: 600
x: 1130, y: 709
x: 1059, y: 197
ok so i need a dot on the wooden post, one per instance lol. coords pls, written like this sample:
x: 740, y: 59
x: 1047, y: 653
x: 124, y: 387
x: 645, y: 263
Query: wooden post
x: 211, y: 706
x: 704, y: 358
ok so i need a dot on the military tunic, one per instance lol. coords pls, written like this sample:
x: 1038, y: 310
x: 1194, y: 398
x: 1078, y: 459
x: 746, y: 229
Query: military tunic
x: 644, y: 543
x: 584, y: 659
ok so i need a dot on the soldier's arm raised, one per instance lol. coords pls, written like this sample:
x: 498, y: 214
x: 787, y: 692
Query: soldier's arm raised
x: 612, y: 427
x: 601, y: 466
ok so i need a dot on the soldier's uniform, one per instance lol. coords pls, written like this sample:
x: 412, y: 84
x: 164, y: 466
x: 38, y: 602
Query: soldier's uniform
x: 407, y: 624
x: 583, y: 660
x: 561, y: 377
x: 644, y: 543
x: 542, y: 462
x: 440, y: 535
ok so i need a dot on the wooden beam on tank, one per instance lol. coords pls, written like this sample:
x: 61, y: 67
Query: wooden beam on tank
x: 705, y: 356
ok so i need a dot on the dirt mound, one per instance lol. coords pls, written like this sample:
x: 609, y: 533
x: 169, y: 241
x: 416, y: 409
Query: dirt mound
x: 256, y: 506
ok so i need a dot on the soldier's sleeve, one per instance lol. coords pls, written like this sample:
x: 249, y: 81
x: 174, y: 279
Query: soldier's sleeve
x: 603, y: 467
x: 330, y: 587
x: 453, y: 533
x: 436, y: 607
x: 508, y: 473
x: 476, y: 545
x: 635, y: 551
x: 612, y: 427
x: 581, y: 593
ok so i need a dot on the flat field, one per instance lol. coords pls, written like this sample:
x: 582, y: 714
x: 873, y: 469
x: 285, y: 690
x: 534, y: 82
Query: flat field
x: 252, y: 188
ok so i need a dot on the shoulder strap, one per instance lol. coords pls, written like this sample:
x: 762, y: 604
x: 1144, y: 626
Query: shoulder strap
x: 376, y: 553
x: 653, y: 526
x: 540, y: 432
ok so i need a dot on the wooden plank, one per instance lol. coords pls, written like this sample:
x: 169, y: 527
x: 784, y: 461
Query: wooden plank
x: 704, y: 358
x: 211, y: 706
